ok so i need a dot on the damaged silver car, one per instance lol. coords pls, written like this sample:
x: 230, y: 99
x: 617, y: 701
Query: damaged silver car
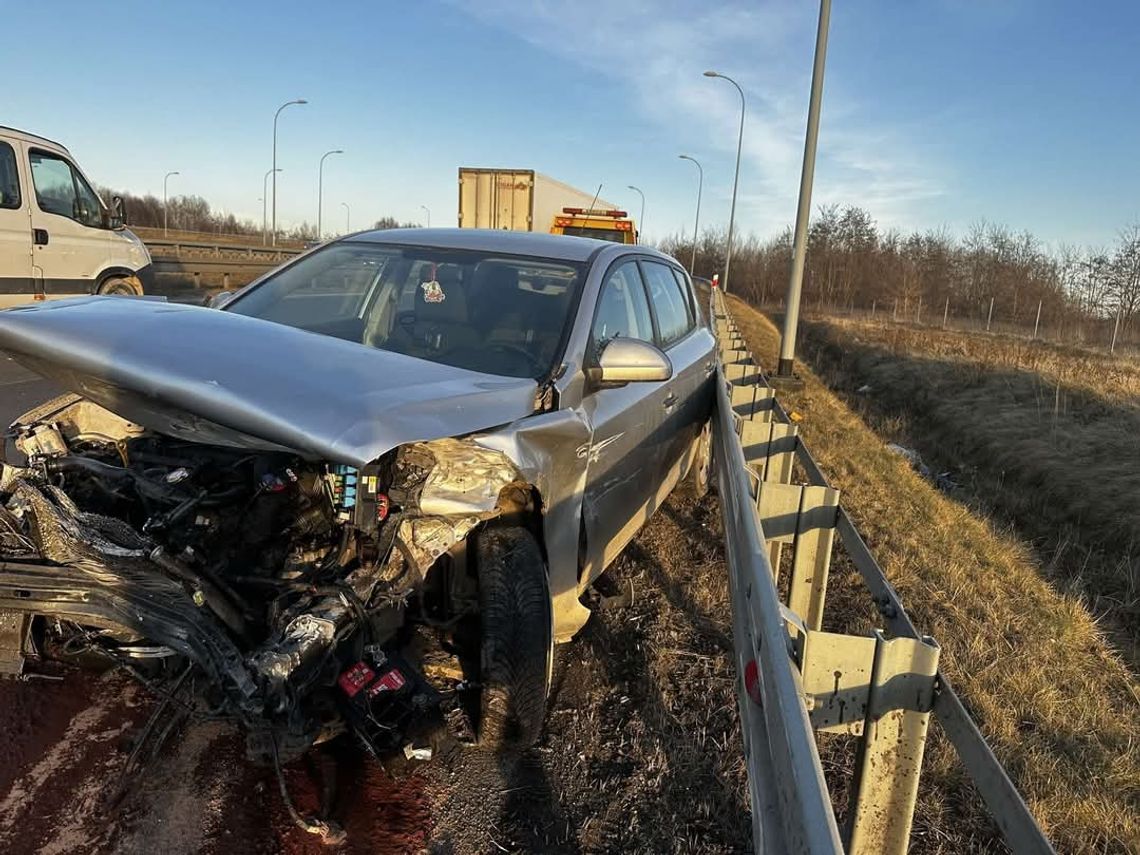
x: 377, y: 481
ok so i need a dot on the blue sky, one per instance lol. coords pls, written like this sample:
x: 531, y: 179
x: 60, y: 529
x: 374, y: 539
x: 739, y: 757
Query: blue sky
x: 936, y: 113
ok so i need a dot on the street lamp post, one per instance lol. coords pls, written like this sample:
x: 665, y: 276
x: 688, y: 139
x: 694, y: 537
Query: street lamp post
x: 735, y: 179
x: 320, y: 188
x: 264, y: 197
x: 803, y: 211
x: 164, y: 218
x: 427, y: 211
x: 275, y: 170
x: 697, y: 218
x: 641, y: 219
x: 347, y: 218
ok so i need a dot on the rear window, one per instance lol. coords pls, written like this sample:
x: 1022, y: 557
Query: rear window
x: 612, y: 235
x: 495, y: 314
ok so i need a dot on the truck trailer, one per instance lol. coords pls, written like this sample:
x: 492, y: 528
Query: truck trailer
x: 523, y: 200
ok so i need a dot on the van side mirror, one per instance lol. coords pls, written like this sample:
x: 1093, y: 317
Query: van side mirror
x: 118, y: 212
x: 629, y: 360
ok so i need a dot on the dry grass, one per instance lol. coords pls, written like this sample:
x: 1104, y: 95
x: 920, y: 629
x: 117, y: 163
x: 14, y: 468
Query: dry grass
x: 1042, y: 438
x: 1057, y: 704
x: 1114, y: 377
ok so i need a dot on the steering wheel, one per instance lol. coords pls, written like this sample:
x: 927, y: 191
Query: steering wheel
x: 534, y: 367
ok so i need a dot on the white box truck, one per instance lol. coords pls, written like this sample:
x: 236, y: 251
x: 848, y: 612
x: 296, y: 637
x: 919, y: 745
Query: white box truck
x: 57, y: 237
x: 523, y: 200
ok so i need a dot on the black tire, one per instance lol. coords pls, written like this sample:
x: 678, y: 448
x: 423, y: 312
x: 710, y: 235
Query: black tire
x: 517, y: 640
x: 116, y: 286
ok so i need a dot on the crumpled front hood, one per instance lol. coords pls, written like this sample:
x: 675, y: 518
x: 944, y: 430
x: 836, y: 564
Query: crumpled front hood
x: 219, y: 378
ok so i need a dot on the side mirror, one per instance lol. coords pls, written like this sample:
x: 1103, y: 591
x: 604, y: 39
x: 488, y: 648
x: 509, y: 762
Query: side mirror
x: 111, y: 221
x: 220, y: 299
x: 119, y: 211
x: 629, y: 360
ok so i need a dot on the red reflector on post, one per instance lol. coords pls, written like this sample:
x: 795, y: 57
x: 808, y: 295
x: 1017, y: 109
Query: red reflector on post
x: 752, y: 681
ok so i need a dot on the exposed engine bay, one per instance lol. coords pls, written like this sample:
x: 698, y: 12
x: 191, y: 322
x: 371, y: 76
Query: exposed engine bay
x: 298, y: 592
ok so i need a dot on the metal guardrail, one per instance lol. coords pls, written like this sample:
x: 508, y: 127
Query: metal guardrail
x: 795, y: 679
x: 195, y: 250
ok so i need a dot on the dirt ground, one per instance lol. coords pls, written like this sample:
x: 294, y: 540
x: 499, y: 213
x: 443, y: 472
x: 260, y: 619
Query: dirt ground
x: 641, y: 751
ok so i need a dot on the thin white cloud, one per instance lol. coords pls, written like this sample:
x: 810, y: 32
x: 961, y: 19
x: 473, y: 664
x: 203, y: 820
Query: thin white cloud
x: 658, y: 50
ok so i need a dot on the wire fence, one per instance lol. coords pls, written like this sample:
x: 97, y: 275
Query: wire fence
x: 1104, y: 335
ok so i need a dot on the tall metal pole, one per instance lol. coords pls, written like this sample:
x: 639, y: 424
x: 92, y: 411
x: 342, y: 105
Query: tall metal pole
x: 641, y: 218
x: 264, y: 201
x: 347, y: 218
x: 164, y: 220
x: 697, y: 218
x: 803, y: 211
x: 735, y: 179
x: 427, y: 211
x: 320, y: 188
x: 274, y: 170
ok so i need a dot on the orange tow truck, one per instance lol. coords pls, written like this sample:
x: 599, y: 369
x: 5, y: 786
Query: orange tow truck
x: 611, y: 225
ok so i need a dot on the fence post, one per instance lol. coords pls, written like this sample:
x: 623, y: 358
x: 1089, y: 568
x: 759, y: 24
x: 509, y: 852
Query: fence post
x: 945, y: 313
x: 1115, y: 330
x: 872, y: 310
x: 918, y: 312
x: 990, y: 316
x: 1037, y: 322
x: 895, y: 310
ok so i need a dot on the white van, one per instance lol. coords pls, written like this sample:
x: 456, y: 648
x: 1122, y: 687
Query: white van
x: 57, y: 238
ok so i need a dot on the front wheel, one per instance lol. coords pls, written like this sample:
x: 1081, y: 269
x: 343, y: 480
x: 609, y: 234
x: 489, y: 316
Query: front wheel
x: 117, y: 286
x: 516, y: 638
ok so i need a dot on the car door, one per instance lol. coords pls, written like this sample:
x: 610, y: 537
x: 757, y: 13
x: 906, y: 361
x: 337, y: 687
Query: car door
x: 627, y: 427
x: 71, y: 247
x: 689, y: 349
x: 15, y: 229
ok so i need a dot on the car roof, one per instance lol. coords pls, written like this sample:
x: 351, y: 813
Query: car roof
x: 536, y: 244
x: 33, y: 138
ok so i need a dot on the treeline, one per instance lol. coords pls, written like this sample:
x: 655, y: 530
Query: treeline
x: 185, y: 213
x: 851, y: 263
x: 194, y: 214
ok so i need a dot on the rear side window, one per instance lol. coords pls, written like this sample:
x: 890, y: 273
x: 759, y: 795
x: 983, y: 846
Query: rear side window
x: 674, y: 318
x: 695, y: 314
x: 622, y: 309
x: 9, y: 178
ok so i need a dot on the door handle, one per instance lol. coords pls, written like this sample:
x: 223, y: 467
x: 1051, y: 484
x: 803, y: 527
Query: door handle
x: 670, y: 400
x: 710, y: 367
x: 40, y: 237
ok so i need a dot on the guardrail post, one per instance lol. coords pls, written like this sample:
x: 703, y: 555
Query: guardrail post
x: 770, y: 449
x: 805, y: 517
x: 894, y: 739
x: 753, y: 401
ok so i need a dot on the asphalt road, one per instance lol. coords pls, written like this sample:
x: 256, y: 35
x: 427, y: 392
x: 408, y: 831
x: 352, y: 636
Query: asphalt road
x: 20, y: 390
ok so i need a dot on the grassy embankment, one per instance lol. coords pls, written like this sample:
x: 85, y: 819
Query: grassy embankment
x: 1054, y: 699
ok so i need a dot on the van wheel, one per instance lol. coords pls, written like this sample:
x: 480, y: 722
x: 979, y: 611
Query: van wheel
x: 516, y: 638
x: 117, y: 286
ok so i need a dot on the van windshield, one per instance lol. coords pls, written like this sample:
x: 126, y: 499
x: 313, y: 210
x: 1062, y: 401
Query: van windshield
x: 485, y: 312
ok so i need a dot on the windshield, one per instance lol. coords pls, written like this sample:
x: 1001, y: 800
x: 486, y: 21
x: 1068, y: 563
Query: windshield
x: 491, y: 313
